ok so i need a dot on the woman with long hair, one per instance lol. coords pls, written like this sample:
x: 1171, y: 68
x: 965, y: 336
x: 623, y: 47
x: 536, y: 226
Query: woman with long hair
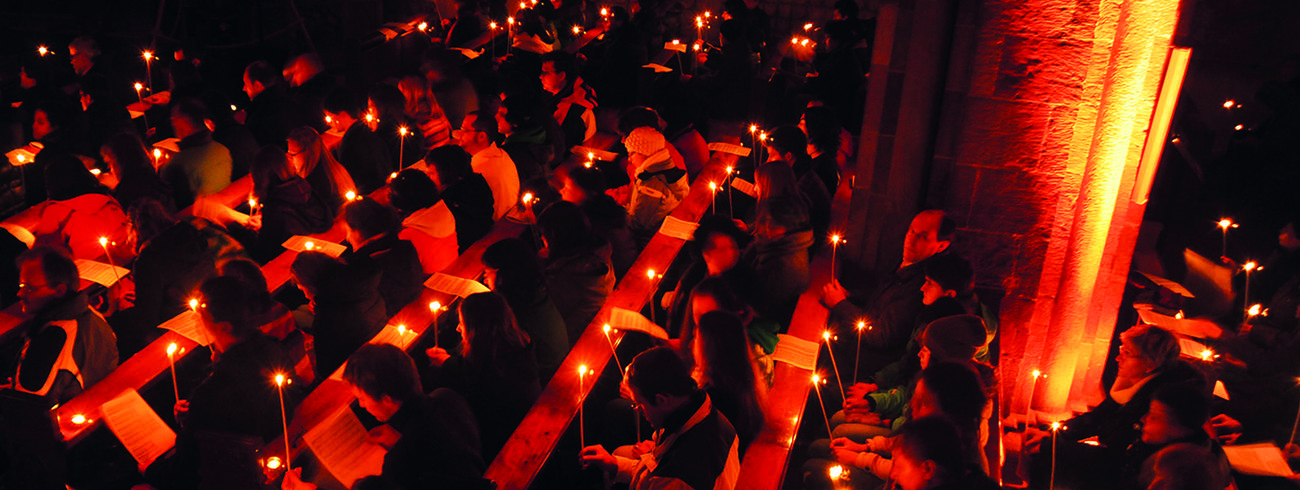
x: 495, y: 369
x: 724, y: 367
x: 314, y: 163
x: 129, y: 162
x: 289, y: 205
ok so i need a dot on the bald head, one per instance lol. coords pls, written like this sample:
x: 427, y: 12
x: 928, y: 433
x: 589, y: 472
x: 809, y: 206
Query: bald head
x: 930, y: 233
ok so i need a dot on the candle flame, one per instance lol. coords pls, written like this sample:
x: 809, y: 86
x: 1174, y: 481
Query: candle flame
x: 194, y: 304
x: 328, y: 119
x: 1239, y: 127
x: 604, y: 11
x: 1037, y: 373
x: 528, y: 198
x: 309, y: 245
x: 816, y: 379
x: 273, y: 462
x: 279, y: 379
x: 836, y: 471
x: 591, y: 155
x: 22, y: 158
x: 157, y: 153
x: 803, y: 42
x: 577, y: 29
x: 835, y: 239
x: 808, y: 26
x: 171, y: 349
x: 587, y: 164
x: 707, y: 14
x: 1226, y: 223
x: 42, y: 50
x: 794, y: 40
x: 1254, y: 309
x: 401, y: 330
x: 103, y: 241
x: 1250, y: 266
x: 370, y: 117
x: 138, y: 86
x: 96, y: 172
x: 862, y: 324
x: 422, y: 26
x: 511, y: 20
x: 582, y: 370
x: 1228, y: 104
x: 650, y: 273
x: 435, y: 306
x: 713, y: 186
x: 729, y: 170
x: 607, y: 328
x: 492, y: 25
x: 401, y: 130
x: 753, y: 128
x: 148, y: 55
x: 78, y: 419
x: 233, y: 108
x: 1207, y: 354
x: 826, y: 335
x: 1056, y: 426
x: 351, y: 195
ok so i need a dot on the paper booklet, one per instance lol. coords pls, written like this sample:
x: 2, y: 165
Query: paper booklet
x: 391, y: 335
x: 145, y: 435
x: 1263, y: 459
x: 299, y: 243
x: 455, y: 286
x: 99, y: 272
x: 187, y: 325
x: 658, y: 68
x: 677, y: 228
x: 624, y: 319
x: 737, y: 150
x: 341, y: 445
x: 796, y: 351
x: 744, y: 186
x: 678, y: 47
x: 22, y: 234
x: 170, y: 144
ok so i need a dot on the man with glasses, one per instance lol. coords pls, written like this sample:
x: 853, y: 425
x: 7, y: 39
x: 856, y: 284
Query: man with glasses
x: 69, y: 346
x: 478, y: 136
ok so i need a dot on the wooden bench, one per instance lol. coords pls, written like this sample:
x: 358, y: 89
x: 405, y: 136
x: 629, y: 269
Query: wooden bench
x: 535, y: 439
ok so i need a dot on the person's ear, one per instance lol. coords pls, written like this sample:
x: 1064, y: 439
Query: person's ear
x: 660, y: 399
x: 943, y: 246
x: 62, y: 289
x: 928, y: 469
x: 951, y: 293
x: 259, y: 86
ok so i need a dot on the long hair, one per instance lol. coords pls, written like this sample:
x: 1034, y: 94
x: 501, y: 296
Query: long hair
x: 315, y: 155
x: 725, y: 296
x: 129, y: 155
x: 727, y: 365
x: 270, y: 167
x: 490, y: 331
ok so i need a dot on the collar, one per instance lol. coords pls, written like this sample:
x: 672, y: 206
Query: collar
x: 1123, y: 396
x: 681, y: 421
x: 202, y: 137
x: 65, y: 309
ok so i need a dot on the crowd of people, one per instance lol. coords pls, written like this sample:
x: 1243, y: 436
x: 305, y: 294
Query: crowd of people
x: 196, y: 187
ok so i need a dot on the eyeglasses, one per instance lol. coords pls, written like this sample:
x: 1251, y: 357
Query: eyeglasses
x: 32, y: 287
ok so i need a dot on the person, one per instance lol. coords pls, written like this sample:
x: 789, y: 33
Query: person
x: 929, y: 457
x: 892, y: 305
x: 527, y: 141
x: 495, y: 370
x: 1148, y: 359
x: 80, y: 212
x: 202, y: 167
x: 1174, y: 422
x: 426, y: 222
x: 585, y: 186
x: 236, y: 402
x: 54, y: 126
x: 102, y: 115
x: 430, y: 438
x: 788, y: 145
x: 329, y: 181
x: 68, y: 346
x: 466, y: 193
x: 694, y: 446
x: 714, y: 251
x: 361, y: 152
x: 725, y: 370
x: 309, y: 85
x: 946, y: 277
x: 717, y: 294
x: 510, y: 268
x: 344, y: 309
x: 372, y: 230
x: 387, y: 106
x: 574, y: 102
x: 231, y: 134
x: 478, y: 136
x: 135, y: 174
x: 423, y: 108
x: 578, y: 271
x: 270, y: 112
x: 825, y: 149
x: 288, y: 205
x: 264, y: 312
x: 779, y: 256
x: 657, y: 185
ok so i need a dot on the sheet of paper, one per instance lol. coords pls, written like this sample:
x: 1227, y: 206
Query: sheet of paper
x: 1191, y: 348
x: 401, y: 338
x: 1167, y: 284
x: 20, y: 233
x: 469, y: 53
x: 596, y: 154
x: 20, y: 157
x: 455, y: 286
x: 796, y: 351
x: 678, y: 47
x: 187, y: 325
x: 737, y: 150
x: 341, y: 445
x: 744, y: 186
x: 658, y: 68
x: 299, y: 243
x: 99, y: 272
x: 630, y: 320
x: 1220, y: 390
x: 170, y: 144
x: 676, y: 228
x: 1262, y: 459
x: 145, y: 435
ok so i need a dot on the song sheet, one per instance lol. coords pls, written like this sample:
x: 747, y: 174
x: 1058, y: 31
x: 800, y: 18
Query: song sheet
x: 143, y: 434
x: 625, y: 319
x: 1262, y: 459
x: 187, y: 325
x: 677, y: 228
x: 99, y: 272
x: 796, y: 351
x: 341, y: 445
x: 391, y: 335
x: 737, y: 150
x: 455, y: 286
x: 744, y: 186
x: 299, y: 243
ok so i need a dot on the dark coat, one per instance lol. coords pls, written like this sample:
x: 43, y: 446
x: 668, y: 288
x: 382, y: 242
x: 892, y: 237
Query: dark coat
x: 439, y: 447
x: 470, y: 201
x: 271, y: 116
x: 290, y: 208
x: 402, y: 279
x: 365, y: 156
x: 891, y: 307
x: 609, y: 221
x: 168, y: 269
x: 1118, y: 426
x: 349, y: 312
x: 500, y: 394
x: 579, y: 282
x: 94, y: 349
x: 781, y: 267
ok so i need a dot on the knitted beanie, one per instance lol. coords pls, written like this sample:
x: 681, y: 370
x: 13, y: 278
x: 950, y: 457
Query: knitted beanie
x: 644, y: 141
x: 954, y: 338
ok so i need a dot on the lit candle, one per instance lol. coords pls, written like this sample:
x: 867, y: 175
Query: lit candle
x: 493, y: 26
x: 1051, y: 482
x: 713, y: 203
x: 837, y: 473
x: 650, y: 274
x: 731, y: 209
x: 423, y: 26
x: 157, y: 156
x: 350, y: 195
x: 807, y: 27
x: 148, y: 68
x: 826, y: 336
x: 1245, y: 291
x: 1207, y: 355
x: 138, y: 87
x: 78, y: 419
x: 171, y: 362
x: 835, y: 244
x: 42, y: 50
x: 103, y: 243
x: 1033, y: 383
x: 817, y: 381
x: 753, y: 142
x: 1294, y: 426
x: 576, y: 30
x: 862, y: 325
x: 612, y: 348
x: 510, y: 32
x: 699, y: 28
x: 1225, y: 223
x: 328, y: 119
x: 309, y: 245
x: 582, y: 426
x: 1254, y: 310
x: 435, y: 307
x: 1228, y: 104
x: 284, y: 420
x: 194, y: 305
x: 252, y: 206
x: 401, y: 146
